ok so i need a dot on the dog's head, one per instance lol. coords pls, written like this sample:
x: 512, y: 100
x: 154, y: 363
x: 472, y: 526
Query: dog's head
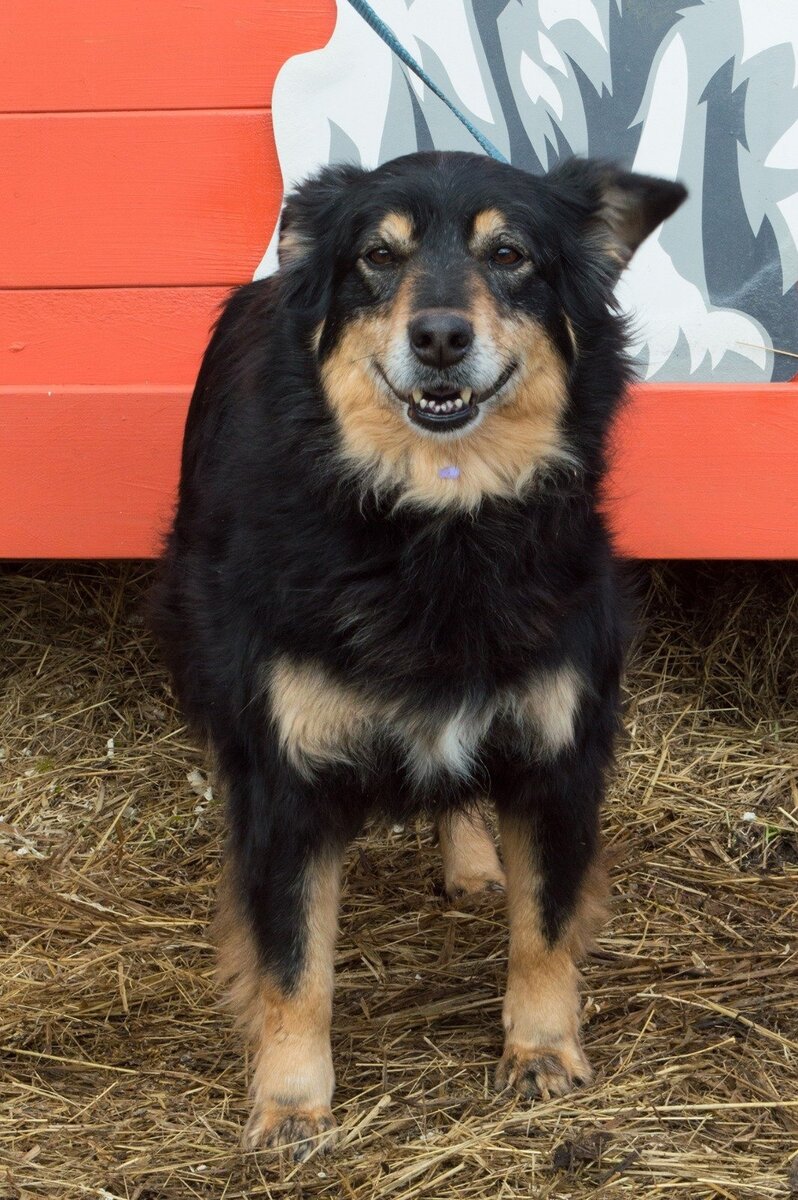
x: 450, y: 298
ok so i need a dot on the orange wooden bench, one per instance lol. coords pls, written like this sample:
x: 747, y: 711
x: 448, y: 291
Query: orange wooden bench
x: 141, y: 182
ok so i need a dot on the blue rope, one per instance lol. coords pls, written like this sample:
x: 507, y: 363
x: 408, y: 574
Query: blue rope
x: 389, y: 37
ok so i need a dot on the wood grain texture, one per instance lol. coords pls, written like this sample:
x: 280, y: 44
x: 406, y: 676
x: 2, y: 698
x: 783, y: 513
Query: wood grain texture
x: 95, y: 55
x: 142, y: 198
x: 700, y: 471
x: 108, y: 336
x: 88, y: 473
x: 707, y: 471
x: 121, y: 230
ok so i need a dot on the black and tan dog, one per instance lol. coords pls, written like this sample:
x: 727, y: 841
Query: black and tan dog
x: 388, y: 588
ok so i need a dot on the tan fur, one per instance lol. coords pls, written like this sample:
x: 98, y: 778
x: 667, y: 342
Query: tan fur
x: 488, y: 224
x: 592, y: 908
x: 396, y: 230
x: 320, y: 720
x: 541, y: 1006
x: 515, y: 438
x: 293, y: 1079
x: 549, y: 708
x: 622, y: 225
x: 470, y: 861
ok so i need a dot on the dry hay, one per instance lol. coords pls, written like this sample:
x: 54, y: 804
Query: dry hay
x: 121, y: 1078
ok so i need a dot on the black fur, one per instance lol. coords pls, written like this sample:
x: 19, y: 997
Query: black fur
x: 274, y: 552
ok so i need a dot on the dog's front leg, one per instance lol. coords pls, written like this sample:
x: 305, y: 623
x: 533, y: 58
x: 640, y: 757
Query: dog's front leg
x: 555, y: 892
x: 276, y: 939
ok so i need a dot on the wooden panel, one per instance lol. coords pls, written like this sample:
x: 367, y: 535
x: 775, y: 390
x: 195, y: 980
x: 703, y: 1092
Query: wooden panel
x: 700, y: 471
x: 124, y: 54
x: 106, y: 335
x: 707, y: 472
x: 147, y: 198
x: 88, y: 473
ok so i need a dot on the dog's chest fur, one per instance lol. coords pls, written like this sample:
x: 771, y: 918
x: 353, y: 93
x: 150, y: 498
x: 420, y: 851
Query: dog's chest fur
x: 322, y: 721
x: 441, y: 628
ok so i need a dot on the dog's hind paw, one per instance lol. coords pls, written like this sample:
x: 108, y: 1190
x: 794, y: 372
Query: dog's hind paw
x: 541, y: 1072
x: 299, y: 1132
x: 462, y: 886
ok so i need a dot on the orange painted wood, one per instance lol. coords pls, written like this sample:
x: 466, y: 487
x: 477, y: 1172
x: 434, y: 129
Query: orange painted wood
x: 707, y: 471
x: 106, y: 336
x: 88, y: 473
x: 122, y: 227
x: 700, y: 471
x: 143, y: 198
x: 64, y: 55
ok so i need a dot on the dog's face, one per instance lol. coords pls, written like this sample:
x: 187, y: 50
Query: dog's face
x: 448, y: 292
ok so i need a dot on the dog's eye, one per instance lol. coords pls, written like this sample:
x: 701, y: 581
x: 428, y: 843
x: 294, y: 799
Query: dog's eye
x: 506, y: 256
x: 381, y: 256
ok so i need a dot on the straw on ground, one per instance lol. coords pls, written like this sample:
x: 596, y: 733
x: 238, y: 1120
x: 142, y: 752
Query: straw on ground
x: 121, y: 1079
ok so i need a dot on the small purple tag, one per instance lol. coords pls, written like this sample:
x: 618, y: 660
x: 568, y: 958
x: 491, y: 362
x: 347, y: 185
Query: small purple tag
x: 448, y: 472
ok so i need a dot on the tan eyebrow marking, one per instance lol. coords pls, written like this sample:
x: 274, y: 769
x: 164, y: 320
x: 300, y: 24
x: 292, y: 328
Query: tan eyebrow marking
x: 487, y: 225
x: 396, y: 228
x: 489, y: 221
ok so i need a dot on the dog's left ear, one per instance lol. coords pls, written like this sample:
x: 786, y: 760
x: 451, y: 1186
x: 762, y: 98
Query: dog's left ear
x: 616, y: 209
x: 630, y: 207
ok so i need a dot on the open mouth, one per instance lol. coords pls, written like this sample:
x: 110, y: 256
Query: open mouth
x: 442, y: 407
x: 445, y: 408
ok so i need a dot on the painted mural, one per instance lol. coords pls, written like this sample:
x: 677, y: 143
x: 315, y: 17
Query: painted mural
x: 701, y: 90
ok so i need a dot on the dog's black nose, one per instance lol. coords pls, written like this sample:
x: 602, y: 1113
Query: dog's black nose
x: 440, y: 338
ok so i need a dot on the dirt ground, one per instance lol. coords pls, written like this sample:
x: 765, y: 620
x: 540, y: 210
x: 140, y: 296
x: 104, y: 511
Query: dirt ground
x: 122, y: 1079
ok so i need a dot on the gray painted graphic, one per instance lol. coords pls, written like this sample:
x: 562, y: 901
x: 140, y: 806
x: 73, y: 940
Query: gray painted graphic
x: 701, y: 90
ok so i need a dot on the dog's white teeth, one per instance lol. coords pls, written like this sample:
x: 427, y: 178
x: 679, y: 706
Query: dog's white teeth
x: 458, y: 403
x: 417, y: 394
x: 421, y: 403
x: 466, y: 395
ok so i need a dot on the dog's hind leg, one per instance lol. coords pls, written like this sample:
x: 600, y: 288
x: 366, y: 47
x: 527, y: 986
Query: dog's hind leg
x: 276, y: 936
x: 555, y: 893
x: 470, y: 862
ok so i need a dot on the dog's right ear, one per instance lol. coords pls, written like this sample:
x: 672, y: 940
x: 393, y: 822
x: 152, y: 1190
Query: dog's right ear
x: 312, y: 213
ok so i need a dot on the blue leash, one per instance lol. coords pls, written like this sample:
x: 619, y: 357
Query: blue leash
x: 392, y: 42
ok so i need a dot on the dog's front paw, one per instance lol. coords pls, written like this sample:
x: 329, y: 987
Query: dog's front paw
x: 543, y: 1071
x: 299, y: 1131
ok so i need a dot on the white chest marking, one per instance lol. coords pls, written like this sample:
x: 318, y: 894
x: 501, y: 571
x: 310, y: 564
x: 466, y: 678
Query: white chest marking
x: 320, y: 721
x: 450, y: 746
